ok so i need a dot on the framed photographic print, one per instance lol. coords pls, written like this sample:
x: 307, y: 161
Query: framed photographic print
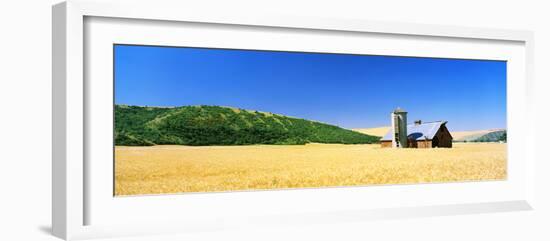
x: 180, y: 121
x: 191, y: 119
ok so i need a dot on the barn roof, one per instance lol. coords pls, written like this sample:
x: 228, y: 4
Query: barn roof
x: 423, y: 131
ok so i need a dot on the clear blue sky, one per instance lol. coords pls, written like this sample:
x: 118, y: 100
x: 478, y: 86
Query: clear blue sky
x: 351, y: 91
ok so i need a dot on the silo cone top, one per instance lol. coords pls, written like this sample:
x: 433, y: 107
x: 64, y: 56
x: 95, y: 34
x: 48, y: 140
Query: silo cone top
x: 399, y: 110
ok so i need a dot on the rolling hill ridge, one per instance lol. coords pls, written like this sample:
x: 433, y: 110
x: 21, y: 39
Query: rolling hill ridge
x: 216, y: 125
x: 490, y: 136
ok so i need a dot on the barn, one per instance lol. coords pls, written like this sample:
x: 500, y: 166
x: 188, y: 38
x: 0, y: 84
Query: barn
x: 424, y: 135
x: 417, y: 135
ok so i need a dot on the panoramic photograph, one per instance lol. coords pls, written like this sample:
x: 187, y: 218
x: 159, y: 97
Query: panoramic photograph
x: 190, y: 120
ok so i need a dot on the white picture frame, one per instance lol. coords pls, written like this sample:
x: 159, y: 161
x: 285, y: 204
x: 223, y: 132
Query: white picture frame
x: 78, y: 195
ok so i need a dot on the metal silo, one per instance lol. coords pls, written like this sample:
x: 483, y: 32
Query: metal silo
x: 399, y: 128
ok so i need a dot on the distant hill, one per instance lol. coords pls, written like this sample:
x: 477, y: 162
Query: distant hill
x: 216, y: 125
x: 492, y: 135
x: 376, y: 131
x: 468, y: 135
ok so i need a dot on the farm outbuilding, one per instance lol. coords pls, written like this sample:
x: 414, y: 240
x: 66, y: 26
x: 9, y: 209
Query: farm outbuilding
x: 417, y: 135
x: 423, y: 135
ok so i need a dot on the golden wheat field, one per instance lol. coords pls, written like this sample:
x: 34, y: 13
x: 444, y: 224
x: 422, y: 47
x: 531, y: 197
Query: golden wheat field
x: 176, y: 169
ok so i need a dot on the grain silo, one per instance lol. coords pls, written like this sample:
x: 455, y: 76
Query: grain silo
x: 399, y: 128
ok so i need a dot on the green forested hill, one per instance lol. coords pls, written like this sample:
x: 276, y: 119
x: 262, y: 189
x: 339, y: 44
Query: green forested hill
x: 215, y: 125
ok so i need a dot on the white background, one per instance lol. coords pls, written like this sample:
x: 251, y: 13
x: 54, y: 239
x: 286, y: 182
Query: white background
x: 25, y: 120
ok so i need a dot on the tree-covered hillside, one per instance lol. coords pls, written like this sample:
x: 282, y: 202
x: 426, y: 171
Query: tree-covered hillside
x: 215, y: 125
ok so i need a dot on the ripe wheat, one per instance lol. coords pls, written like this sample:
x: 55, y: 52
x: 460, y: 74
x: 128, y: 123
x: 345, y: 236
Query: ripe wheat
x: 176, y: 169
